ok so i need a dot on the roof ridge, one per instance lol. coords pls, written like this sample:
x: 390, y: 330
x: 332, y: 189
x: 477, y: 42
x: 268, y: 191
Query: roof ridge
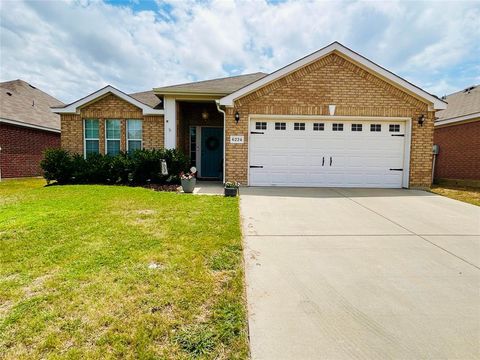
x: 462, y: 90
x: 214, y: 79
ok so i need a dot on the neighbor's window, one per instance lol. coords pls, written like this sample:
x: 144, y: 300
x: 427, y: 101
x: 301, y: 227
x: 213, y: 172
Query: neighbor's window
x: 299, y: 126
x: 261, y: 126
x: 394, y: 128
x: 356, y: 127
x: 280, y: 126
x: 376, y: 127
x: 112, y: 136
x: 318, y: 126
x: 134, y: 135
x: 92, y: 141
x: 337, y: 127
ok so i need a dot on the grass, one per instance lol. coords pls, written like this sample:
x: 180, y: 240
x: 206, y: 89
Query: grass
x: 91, y: 272
x: 466, y: 194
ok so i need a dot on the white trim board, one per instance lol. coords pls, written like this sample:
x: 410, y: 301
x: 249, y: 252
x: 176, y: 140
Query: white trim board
x: 438, y: 104
x: 31, y: 126
x: 457, y: 119
x: 73, y: 108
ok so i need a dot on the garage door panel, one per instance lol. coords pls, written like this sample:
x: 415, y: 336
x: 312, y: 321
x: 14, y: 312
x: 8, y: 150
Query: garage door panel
x: 302, y: 158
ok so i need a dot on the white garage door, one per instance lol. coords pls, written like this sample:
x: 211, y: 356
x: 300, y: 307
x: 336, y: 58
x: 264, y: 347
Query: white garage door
x: 326, y: 153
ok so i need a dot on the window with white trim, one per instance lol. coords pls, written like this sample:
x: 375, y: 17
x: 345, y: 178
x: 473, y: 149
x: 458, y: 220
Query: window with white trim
x: 134, y: 135
x: 112, y: 137
x: 318, y: 126
x: 92, y: 141
x: 280, y: 126
x: 394, y: 127
x: 261, y: 126
x: 299, y: 126
x: 375, y: 127
x: 356, y: 127
x: 337, y: 127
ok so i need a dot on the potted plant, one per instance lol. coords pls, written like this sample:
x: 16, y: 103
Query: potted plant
x: 231, y: 188
x: 188, y: 180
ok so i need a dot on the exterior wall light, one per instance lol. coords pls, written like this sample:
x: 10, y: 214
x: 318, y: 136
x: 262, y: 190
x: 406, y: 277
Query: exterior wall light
x: 331, y: 109
x: 421, y: 120
x: 205, y: 115
x: 237, y: 117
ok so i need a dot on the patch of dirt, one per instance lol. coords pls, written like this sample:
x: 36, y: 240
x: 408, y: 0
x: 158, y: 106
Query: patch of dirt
x: 158, y: 187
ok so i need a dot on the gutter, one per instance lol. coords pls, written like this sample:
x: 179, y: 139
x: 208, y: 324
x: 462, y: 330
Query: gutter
x: 217, y: 103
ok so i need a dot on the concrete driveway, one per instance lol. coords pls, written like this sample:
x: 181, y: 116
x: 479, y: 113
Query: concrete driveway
x: 361, y: 274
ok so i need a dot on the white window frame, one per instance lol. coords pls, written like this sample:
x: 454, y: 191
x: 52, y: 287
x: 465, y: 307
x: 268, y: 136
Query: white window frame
x: 107, y: 139
x: 85, y: 137
x: 126, y: 134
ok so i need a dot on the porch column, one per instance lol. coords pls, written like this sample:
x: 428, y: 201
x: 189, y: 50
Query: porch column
x: 170, y: 116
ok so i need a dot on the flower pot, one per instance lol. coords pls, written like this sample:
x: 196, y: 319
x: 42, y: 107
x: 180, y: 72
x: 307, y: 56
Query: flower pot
x: 231, y: 192
x: 188, y: 185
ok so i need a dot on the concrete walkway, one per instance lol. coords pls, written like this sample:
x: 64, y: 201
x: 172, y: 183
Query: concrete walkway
x: 361, y: 274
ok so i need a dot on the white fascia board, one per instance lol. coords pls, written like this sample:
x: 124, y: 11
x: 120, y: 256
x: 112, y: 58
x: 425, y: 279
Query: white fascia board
x: 438, y: 104
x: 27, y: 125
x: 73, y: 107
x: 457, y: 119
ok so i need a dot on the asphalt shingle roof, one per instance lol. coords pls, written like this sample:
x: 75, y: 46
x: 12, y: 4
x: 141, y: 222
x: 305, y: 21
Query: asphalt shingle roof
x: 148, y: 98
x: 461, y: 103
x: 216, y: 86
x: 24, y: 103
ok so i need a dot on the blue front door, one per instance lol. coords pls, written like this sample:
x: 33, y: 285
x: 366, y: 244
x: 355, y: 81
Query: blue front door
x: 212, y: 152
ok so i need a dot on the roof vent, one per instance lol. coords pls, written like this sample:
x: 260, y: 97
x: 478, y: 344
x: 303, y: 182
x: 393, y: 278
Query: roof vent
x: 467, y: 90
x: 444, y: 97
x: 9, y: 93
x: 33, y: 87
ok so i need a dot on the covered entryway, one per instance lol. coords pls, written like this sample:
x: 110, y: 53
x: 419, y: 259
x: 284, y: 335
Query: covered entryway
x: 328, y: 153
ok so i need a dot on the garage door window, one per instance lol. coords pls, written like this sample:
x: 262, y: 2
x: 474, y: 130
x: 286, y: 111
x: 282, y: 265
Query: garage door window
x: 337, y: 127
x: 375, y: 127
x: 280, y: 126
x: 318, y: 126
x: 299, y: 126
x: 261, y: 126
x: 356, y: 127
x: 394, y: 128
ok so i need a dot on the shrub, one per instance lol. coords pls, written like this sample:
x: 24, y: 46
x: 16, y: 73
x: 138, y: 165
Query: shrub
x: 57, y: 165
x: 140, y: 167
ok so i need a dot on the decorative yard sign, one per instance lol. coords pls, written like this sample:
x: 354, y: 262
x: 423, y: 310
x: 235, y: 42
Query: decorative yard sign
x: 236, y: 139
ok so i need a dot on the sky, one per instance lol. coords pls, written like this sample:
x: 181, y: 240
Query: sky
x: 70, y: 49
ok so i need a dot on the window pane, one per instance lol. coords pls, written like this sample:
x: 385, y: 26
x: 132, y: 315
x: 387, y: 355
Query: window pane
x: 91, y: 129
x: 280, y: 126
x: 318, y: 126
x: 113, y: 147
x: 134, y: 145
x: 299, y: 126
x: 113, y: 129
x: 91, y: 147
x: 134, y: 129
x: 260, y: 126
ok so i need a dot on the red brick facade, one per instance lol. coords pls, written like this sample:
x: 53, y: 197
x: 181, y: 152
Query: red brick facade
x: 459, y: 156
x: 22, y: 150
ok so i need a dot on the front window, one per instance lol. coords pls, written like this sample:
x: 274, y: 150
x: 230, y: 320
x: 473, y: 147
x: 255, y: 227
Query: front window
x: 91, y: 137
x: 112, y: 129
x: 134, y: 135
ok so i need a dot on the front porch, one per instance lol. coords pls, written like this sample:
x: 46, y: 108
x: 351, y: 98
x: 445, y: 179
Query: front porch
x: 200, y: 135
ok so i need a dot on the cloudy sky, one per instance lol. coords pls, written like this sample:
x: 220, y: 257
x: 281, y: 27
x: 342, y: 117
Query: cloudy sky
x: 72, y: 48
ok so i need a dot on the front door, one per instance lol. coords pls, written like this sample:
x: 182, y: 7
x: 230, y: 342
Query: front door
x: 212, y: 153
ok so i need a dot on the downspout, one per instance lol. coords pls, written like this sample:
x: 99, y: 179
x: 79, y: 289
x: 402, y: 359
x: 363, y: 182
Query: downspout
x: 217, y: 102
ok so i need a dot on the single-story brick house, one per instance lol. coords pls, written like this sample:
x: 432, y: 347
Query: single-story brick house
x: 457, y: 133
x: 332, y: 118
x: 27, y: 128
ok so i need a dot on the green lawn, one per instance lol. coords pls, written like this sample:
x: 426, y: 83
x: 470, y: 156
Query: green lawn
x: 119, y: 272
x: 466, y: 194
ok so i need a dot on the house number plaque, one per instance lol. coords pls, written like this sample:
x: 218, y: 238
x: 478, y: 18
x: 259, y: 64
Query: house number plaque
x: 236, y: 139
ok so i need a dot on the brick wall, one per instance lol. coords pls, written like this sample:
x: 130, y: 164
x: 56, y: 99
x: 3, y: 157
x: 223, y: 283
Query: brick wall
x: 331, y: 80
x: 459, y: 156
x: 110, y: 107
x: 22, y: 150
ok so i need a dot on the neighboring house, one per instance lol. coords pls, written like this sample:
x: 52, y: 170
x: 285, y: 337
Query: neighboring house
x: 457, y: 133
x: 27, y: 128
x: 332, y: 118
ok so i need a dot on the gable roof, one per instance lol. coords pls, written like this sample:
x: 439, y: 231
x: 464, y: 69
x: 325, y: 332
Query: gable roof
x: 219, y: 87
x: 97, y: 95
x: 462, y: 105
x: 357, y: 58
x: 24, y: 105
x: 148, y: 98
